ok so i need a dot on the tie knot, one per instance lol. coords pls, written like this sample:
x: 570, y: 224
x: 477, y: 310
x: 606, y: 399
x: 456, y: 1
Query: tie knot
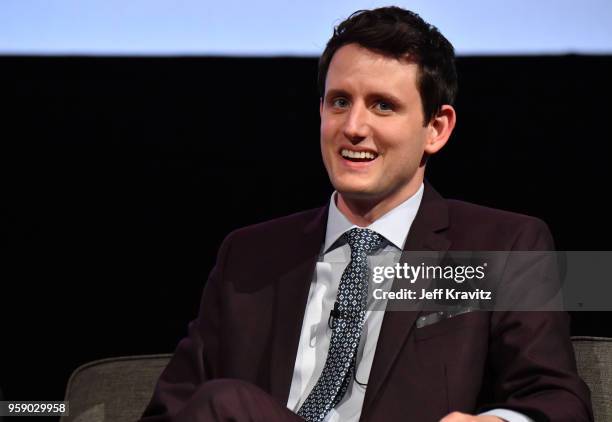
x: 363, y: 240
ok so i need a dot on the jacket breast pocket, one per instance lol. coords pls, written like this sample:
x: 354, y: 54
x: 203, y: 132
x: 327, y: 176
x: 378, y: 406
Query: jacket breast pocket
x: 456, y: 325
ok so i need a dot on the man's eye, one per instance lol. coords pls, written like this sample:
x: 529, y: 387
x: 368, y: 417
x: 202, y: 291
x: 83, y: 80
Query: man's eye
x: 384, y: 106
x: 340, y: 102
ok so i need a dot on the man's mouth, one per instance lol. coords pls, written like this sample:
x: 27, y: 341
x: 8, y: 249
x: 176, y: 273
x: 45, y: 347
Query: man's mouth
x: 358, y: 156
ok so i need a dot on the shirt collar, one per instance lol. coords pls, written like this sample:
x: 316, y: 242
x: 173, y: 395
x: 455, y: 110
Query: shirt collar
x: 394, y: 225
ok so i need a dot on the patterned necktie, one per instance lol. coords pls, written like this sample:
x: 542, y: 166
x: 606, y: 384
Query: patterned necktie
x: 351, y: 301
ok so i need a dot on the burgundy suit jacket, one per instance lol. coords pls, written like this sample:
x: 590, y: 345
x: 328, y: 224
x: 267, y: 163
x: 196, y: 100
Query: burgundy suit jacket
x: 253, y: 304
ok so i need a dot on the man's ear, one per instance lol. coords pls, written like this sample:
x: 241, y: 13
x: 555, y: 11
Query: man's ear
x: 440, y: 129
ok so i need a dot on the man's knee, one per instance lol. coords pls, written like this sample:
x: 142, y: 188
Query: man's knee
x: 233, y: 400
x: 218, y: 400
x: 228, y: 393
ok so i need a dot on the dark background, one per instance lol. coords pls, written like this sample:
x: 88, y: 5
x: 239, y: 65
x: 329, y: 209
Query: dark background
x: 121, y: 176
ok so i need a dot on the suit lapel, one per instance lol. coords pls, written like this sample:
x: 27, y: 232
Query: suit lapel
x: 293, y: 286
x: 291, y: 295
x: 425, y: 235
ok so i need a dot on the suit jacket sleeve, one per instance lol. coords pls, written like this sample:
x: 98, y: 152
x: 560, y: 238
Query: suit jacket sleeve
x: 194, y: 359
x: 532, y: 357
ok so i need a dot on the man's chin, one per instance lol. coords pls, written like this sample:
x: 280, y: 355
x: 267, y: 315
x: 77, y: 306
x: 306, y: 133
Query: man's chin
x: 358, y: 193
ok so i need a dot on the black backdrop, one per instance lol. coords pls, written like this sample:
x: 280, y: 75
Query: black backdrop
x: 121, y: 176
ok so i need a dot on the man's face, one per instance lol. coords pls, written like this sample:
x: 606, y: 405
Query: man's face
x: 372, y: 133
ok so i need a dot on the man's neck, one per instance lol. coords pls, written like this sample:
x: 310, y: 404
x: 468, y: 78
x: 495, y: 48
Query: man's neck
x: 363, y: 212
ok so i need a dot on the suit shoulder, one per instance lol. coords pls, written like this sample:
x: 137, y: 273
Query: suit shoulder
x: 462, y: 211
x: 503, y: 228
x: 278, y: 228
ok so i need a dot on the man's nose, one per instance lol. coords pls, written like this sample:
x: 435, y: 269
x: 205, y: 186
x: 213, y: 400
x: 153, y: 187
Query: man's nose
x: 357, y: 126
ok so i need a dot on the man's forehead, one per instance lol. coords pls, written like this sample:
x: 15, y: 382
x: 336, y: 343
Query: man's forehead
x: 353, y: 65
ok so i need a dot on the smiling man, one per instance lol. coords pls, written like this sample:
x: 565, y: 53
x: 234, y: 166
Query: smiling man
x: 375, y: 137
x: 285, y: 331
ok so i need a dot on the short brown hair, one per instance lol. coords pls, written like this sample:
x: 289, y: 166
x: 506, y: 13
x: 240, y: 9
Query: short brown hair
x: 400, y: 33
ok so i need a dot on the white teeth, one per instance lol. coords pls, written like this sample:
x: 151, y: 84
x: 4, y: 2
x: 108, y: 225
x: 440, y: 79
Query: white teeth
x: 357, y: 154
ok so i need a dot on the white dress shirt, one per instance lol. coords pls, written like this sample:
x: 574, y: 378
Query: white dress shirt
x: 316, y: 334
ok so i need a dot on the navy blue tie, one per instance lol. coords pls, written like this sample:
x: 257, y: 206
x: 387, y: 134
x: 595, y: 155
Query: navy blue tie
x: 351, y: 306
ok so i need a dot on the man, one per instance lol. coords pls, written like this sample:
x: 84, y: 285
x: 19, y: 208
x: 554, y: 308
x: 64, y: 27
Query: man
x: 283, y: 331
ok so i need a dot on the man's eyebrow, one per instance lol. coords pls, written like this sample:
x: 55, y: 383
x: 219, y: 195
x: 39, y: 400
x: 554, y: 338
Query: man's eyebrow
x: 385, y: 96
x: 372, y: 95
x: 336, y: 93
